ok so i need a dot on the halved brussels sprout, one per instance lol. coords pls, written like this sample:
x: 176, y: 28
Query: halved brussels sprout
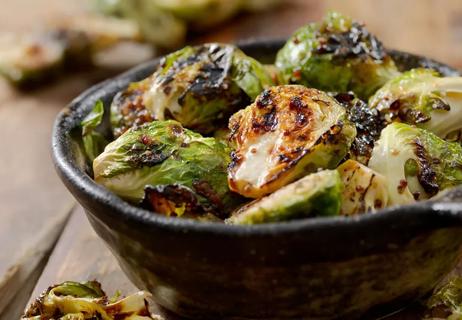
x: 198, y: 86
x: 25, y: 61
x: 446, y: 301
x: 368, y: 123
x: 163, y: 153
x: 336, y: 55
x: 318, y: 194
x: 287, y: 133
x: 364, y: 189
x: 416, y: 163
x: 201, y: 13
x: 80, y: 301
x: 423, y: 98
x: 157, y: 26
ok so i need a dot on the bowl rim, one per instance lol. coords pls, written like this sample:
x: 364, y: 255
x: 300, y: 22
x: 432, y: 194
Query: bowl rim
x: 77, y: 181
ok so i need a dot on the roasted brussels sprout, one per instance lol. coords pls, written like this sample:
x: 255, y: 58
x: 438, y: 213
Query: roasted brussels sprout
x: 446, y: 301
x: 423, y: 98
x: 25, y: 61
x: 93, y: 141
x: 336, y: 55
x: 287, y: 133
x: 364, y: 190
x: 198, y: 86
x: 80, y: 301
x: 30, y: 60
x: 176, y: 170
x: 200, y: 13
x: 368, y: 123
x: 416, y: 163
x: 318, y: 194
x: 157, y: 26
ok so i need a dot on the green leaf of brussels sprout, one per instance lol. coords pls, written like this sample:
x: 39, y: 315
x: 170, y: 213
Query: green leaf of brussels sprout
x: 163, y: 153
x: 250, y: 75
x: 198, y: 86
x: 318, y: 194
x: 336, y: 55
x: 93, y: 141
x: 287, y: 133
x: 416, y: 163
x: 364, y: 189
x: 423, y: 98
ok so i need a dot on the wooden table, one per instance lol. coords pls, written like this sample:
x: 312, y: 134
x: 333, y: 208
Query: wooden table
x: 35, y: 207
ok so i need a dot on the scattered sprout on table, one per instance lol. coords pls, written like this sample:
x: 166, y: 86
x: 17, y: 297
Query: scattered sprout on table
x: 364, y: 190
x: 368, y: 123
x: 338, y: 55
x: 318, y: 194
x: 288, y: 132
x: 161, y: 159
x: 80, y: 301
x: 423, y: 98
x: 416, y: 163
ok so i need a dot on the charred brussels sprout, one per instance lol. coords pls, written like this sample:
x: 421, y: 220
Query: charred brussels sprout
x: 423, y: 98
x: 336, y: 55
x: 81, y: 301
x: 416, y: 163
x: 446, y: 301
x: 176, y: 170
x: 368, y: 123
x: 318, y: 194
x: 197, y: 86
x: 364, y: 190
x: 287, y: 133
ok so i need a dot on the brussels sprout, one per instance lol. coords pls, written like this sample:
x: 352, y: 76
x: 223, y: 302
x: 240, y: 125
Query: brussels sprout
x: 198, y: 86
x: 93, y: 141
x: 201, y: 13
x: 336, y: 55
x: 416, y: 163
x: 368, y: 122
x: 446, y: 301
x: 128, y: 109
x: 25, y: 61
x: 163, y: 154
x: 423, y: 98
x: 364, y: 190
x: 317, y: 194
x: 287, y: 133
x: 80, y: 301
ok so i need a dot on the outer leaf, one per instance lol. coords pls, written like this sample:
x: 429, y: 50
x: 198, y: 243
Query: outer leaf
x: 336, y: 55
x: 93, y: 141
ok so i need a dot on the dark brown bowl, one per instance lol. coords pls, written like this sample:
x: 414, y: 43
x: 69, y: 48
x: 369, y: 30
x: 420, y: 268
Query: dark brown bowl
x: 315, y: 268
